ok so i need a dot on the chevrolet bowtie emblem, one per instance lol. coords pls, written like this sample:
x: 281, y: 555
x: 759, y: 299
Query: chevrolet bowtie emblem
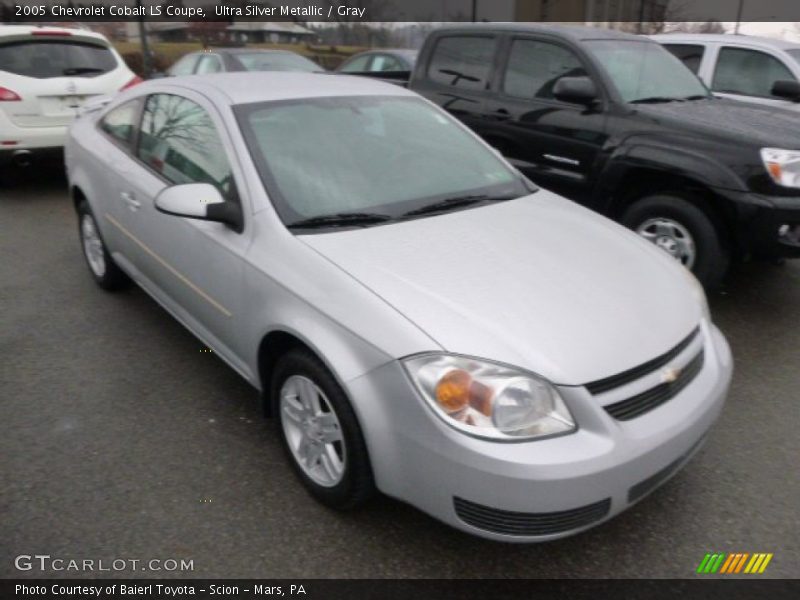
x: 671, y: 374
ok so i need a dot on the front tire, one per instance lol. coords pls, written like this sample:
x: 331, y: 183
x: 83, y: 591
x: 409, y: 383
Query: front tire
x: 104, y: 270
x: 682, y: 230
x: 320, y: 432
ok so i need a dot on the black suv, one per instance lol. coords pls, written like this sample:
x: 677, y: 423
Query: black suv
x: 615, y: 122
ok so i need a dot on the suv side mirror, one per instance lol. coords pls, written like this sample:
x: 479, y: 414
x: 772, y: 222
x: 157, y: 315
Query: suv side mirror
x: 787, y: 88
x: 578, y: 90
x: 199, y: 201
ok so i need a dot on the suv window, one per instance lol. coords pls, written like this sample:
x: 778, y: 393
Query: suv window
x: 209, y: 63
x: 179, y: 141
x: 462, y: 62
x: 748, y: 72
x: 121, y: 122
x: 44, y: 59
x: 690, y: 54
x: 534, y: 67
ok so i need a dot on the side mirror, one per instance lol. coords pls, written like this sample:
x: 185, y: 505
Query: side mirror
x: 199, y: 201
x: 787, y: 88
x: 577, y: 90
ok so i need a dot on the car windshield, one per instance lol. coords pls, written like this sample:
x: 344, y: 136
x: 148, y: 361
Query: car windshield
x: 44, y: 59
x: 645, y: 71
x: 370, y: 158
x: 274, y: 61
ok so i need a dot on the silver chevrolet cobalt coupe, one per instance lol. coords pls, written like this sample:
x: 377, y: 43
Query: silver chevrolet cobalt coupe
x: 419, y: 318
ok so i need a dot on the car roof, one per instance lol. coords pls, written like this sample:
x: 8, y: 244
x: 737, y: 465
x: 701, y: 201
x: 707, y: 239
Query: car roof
x: 24, y: 30
x: 752, y: 40
x: 574, y: 32
x: 266, y: 86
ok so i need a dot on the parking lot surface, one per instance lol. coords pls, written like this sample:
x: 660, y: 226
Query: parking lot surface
x: 121, y: 438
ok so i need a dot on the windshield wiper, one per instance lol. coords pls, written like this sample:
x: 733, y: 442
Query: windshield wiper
x: 81, y: 70
x: 345, y: 219
x: 699, y: 97
x: 656, y: 100
x: 455, y: 202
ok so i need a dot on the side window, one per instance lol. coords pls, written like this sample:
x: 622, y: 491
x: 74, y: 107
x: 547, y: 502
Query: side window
x: 534, y: 67
x: 748, y: 72
x: 690, y: 54
x: 120, y: 123
x: 209, y: 63
x: 178, y: 140
x: 184, y: 66
x: 385, y: 62
x: 462, y: 62
x: 357, y: 64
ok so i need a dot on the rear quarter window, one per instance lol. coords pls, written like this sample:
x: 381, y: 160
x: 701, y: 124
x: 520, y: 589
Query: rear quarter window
x: 462, y: 61
x: 120, y: 123
x: 44, y: 59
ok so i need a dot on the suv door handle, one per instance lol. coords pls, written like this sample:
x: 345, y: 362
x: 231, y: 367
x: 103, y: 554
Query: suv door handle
x: 130, y: 200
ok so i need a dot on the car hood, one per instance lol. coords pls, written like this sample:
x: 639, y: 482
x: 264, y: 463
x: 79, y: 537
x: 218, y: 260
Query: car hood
x: 752, y: 124
x: 538, y: 282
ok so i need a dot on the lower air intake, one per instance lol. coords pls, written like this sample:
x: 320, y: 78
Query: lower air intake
x: 508, y: 522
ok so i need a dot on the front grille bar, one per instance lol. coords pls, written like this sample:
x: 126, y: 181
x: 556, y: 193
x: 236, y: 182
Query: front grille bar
x: 620, y: 379
x: 654, y: 397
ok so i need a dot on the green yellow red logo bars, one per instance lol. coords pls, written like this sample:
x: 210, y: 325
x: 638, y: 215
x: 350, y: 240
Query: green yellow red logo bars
x: 734, y: 562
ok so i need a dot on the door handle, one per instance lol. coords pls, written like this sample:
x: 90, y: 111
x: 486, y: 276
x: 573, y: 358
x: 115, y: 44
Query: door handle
x: 130, y: 200
x: 501, y: 114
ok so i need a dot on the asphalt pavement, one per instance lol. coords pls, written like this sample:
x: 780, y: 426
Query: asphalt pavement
x: 121, y: 439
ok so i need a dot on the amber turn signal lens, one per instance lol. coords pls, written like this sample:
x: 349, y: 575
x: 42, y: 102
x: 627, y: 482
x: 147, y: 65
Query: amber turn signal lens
x: 457, y: 390
x: 452, y: 391
x: 775, y: 171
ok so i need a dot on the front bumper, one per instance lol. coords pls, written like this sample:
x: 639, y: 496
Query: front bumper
x: 768, y: 226
x: 536, y: 490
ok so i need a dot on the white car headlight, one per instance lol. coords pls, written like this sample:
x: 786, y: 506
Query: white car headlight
x: 782, y: 165
x: 489, y: 400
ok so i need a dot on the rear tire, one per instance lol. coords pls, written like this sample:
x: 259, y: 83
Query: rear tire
x: 320, y: 432
x: 683, y: 231
x: 104, y: 270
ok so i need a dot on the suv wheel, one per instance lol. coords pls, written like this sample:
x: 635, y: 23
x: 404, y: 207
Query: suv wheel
x: 102, y: 267
x: 320, y: 432
x: 683, y: 231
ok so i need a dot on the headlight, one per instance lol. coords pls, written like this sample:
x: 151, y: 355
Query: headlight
x: 489, y: 400
x: 782, y: 165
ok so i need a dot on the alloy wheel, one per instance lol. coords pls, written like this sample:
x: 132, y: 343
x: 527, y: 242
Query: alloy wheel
x: 312, y: 431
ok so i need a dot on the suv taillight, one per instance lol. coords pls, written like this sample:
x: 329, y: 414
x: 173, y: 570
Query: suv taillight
x: 7, y: 95
x: 135, y: 81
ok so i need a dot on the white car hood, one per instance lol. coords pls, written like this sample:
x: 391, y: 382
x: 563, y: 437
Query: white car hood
x: 537, y: 282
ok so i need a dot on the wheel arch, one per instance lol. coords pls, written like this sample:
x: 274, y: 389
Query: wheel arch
x: 638, y: 183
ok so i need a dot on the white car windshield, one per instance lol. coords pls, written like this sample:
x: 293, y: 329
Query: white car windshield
x: 370, y: 156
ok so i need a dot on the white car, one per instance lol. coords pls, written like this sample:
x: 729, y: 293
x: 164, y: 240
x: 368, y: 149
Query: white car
x: 46, y: 75
x: 418, y: 316
x: 742, y: 67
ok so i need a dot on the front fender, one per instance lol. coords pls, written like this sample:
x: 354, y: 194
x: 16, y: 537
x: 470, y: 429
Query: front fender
x: 664, y: 157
